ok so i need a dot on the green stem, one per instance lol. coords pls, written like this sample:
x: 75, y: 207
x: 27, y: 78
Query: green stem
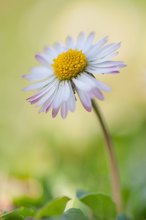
x: 112, y: 159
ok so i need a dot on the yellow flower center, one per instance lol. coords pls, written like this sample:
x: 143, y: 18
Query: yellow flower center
x: 69, y: 64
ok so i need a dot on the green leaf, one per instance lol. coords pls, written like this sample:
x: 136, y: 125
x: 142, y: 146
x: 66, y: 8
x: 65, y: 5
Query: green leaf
x: 74, y: 214
x: 53, y: 208
x: 18, y: 214
x: 27, y: 202
x: 101, y: 205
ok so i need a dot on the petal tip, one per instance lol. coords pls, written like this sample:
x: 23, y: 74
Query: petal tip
x: 88, y: 108
x: 123, y: 65
x: 37, y: 56
x: 24, y: 76
x: 24, y: 89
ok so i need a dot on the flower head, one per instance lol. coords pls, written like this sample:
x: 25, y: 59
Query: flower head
x: 68, y: 69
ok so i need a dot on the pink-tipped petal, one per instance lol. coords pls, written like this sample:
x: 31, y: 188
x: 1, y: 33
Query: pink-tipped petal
x: 41, y: 59
x: 64, y: 110
x: 85, y: 100
x: 55, y: 112
x: 98, y: 94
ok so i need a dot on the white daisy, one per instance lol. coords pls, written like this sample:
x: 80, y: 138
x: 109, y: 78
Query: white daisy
x: 68, y: 69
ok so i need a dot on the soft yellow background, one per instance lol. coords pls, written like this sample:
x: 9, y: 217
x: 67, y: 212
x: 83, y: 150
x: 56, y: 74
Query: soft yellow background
x: 31, y: 143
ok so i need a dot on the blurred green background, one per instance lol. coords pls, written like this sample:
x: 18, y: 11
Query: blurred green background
x: 69, y: 154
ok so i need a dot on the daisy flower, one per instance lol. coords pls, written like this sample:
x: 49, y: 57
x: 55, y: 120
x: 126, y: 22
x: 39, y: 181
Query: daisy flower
x: 67, y: 69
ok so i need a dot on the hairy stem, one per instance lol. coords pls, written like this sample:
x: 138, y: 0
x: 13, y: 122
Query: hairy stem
x: 112, y: 159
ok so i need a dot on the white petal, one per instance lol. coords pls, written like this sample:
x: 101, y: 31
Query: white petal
x: 35, y: 98
x: 89, y: 41
x: 80, y: 84
x: 95, y: 83
x: 69, y: 42
x: 48, y: 57
x: 42, y: 59
x: 98, y: 94
x: 50, y: 90
x: 49, y: 54
x: 60, y: 48
x: 59, y: 95
x: 95, y: 70
x: 80, y: 41
x: 55, y: 112
x: 64, y: 110
x: 36, y: 85
x: 53, y: 52
x: 38, y: 73
x: 71, y: 103
x: 85, y: 100
x: 66, y: 91
x: 62, y: 95
x: 109, y: 57
x: 41, y: 69
x: 64, y: 99
x: 103, y: 59
x: 87, y: 79
x: 48, y: 103
x: 106, y: 63
x: 94, y: 51
x: 46, y: 98
x: 108, y: 50
x: 102, y: 86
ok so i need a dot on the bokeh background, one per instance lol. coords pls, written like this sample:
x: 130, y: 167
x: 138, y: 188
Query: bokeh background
x: 63, y: 156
